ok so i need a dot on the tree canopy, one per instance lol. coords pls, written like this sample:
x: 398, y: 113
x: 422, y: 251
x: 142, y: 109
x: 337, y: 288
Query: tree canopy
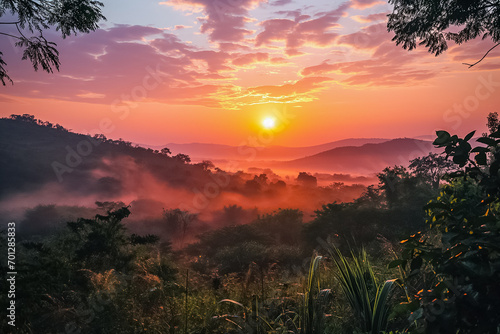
x: 433, y: 23
x: 26, y: 21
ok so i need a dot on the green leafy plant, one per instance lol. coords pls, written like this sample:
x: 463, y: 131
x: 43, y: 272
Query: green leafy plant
x: 315, y: 300
x: 368, y: 299
x: 460, y: 250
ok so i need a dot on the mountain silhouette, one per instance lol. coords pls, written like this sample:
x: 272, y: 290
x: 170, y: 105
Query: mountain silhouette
x: 368, y: 158
x: 206, y: 151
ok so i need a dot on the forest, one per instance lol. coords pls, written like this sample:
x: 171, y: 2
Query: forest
x: 418, y: 252
x: 350, y: 221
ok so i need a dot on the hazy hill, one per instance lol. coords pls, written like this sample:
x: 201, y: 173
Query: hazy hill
x: 47, y: 174
x: 34, y: 155
x: 368, y: 158
x: 200, y: 151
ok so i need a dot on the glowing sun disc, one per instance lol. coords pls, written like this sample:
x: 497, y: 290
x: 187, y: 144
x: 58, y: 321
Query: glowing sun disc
x: 269, y: 122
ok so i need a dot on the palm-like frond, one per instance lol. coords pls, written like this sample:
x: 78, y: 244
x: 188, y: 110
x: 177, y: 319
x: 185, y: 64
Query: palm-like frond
x: 368, y: 300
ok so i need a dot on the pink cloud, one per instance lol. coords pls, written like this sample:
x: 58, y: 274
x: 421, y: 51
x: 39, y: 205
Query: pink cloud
x: 98, y: 69
x: 371, y: 18
x: 302, y: 86
x: 363, y: 4
x: 387, y: 65
x: 321, y: 69
x: 474, y: 50
x: 396, y: 67
x: 150, y: 65
x: 250, y: 58
x: 225, y: 19
x: 280, y: 2
x: 215, y: 60
x: 367, y: 38
x: 279, y: 60
x: 229, y: 47
x: 295, y: 34
x: 274, y: 30
x: 296, y: 14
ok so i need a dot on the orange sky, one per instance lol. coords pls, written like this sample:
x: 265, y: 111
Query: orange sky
x: 210, y: 71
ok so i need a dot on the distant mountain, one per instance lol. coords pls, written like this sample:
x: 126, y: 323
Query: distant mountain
x: 200, y: 151
x: 368, y: 158
x: 35, y: 154
x: 44, y: 165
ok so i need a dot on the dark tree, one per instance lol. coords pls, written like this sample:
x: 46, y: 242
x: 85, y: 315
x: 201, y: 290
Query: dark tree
x: 307, y: 179
x: 31, y: 18
x: 456, y: 256
x: 184, y: 158
x: 493, y: 123
x: 432, y: 168
x: 165, y: 151
x: 427, y: 22
x: 205, y: 165
x: 177, y: 223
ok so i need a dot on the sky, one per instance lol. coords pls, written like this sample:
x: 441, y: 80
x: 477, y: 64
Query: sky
x: 212, y: 71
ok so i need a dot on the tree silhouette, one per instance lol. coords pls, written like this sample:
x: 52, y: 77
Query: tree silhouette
x: 307, y: 180
x: 165, y: 151
x: 184, y: 158
x: 31, y: 18
x: 432, y: 167
x: 493, y: 123
x: 427, y: 22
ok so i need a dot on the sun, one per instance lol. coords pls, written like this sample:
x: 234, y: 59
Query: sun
x: 269, y: 122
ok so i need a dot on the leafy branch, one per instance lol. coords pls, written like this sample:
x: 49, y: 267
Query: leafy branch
x: 67, y: 16
x: 480, y: 60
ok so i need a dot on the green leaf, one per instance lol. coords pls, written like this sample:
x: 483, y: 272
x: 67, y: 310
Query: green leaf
x: 416, y: 315
x: 481, y: 158
x: 487, y: 141
x: 443, y: 137
x: 495, y: 134
x: 480, y: 149
x: 381, y: 307
x: 469, y: 136
x: 416, y: 263
x: 465, y: 146
x: 395, y: 263
x: 460, y: 160
x: 436, y: 205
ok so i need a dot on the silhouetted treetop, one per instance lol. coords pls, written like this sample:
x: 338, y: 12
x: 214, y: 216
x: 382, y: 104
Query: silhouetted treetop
x: 428, y: 22
x: 31, y: 18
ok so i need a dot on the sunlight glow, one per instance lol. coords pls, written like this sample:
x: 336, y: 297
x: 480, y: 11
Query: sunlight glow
x: 269, y: 122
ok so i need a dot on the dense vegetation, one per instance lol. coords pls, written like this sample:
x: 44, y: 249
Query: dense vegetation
x: 346, y: 271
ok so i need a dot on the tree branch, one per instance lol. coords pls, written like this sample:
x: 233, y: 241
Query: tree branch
x: 477, y: 62
x: 2, y: 33
x: 20, y: 32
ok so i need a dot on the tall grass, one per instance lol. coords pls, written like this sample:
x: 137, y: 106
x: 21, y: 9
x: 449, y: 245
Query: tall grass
x: 315, y: 301
x: 368, y: 299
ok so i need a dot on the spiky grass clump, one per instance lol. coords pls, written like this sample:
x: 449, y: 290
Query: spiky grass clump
x: 368, y: 299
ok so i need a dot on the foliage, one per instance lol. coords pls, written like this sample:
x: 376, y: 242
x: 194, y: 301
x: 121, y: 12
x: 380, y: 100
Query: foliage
x: 431, y: 168
x: 427, y: 22
x: 93, y: 277
x: 307, y: 179
x: 369, y: 300
x: 493, y: 123
x: 315, y: 301
x: 177, y: 222
x: 68, y: 17
x: 460, y: 253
